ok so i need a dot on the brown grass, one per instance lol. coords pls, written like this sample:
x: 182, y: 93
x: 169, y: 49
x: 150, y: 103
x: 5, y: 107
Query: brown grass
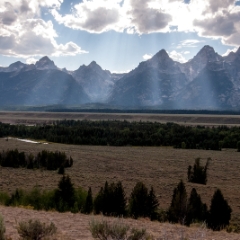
x: 185, y: 119
x: 76, y: 226
x: 160, y: 167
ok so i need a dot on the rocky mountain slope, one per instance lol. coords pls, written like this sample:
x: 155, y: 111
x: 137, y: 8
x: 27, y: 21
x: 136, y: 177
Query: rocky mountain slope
x: 96, y: 82
x: 208, y: 81
x: 37, y: 85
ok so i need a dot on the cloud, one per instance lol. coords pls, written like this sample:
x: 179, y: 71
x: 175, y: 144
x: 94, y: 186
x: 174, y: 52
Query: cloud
x: 176, y: 56
x: 208, y: 18
x: 148, y: 18
x: 147, y: 56
x: 230, y: 50
x: 132, y: 16
x: 94, y: 16
x: 24, y: 34
x: 31, y: 60
x: 189, y: 43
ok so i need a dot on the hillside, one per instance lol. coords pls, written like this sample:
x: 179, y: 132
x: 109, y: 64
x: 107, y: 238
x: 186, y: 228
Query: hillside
x: 76, y: 226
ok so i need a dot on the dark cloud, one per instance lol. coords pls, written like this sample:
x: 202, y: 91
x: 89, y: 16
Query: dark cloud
x: 220, y: 25
x: 147, y: 19
x: 8, y: 16
x: 215, y: 5
x: 100, y: 18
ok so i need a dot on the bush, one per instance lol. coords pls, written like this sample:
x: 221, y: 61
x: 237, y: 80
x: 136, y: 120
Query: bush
x: 35, y: 230
x: 106, y: 231
x: 2, y: 228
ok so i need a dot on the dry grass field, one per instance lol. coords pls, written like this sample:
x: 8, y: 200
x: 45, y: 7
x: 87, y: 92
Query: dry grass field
x: 76, y: 226
x: 160, y: 167
x: 185, y: 119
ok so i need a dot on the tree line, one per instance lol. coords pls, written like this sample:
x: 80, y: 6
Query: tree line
x: 45, y: 159
x: 123, y: 133
x: 111, y: 200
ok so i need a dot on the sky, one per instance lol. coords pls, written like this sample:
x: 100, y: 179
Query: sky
x: 117, y: 34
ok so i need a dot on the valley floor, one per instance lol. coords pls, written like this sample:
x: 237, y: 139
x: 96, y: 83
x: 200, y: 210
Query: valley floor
x: 32, y: 118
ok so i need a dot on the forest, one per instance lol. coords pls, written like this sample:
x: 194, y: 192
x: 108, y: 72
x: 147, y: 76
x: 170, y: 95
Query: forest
x: 124, y: 133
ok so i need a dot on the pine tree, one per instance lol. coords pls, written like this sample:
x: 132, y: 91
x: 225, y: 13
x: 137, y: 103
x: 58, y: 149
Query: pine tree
x: 107, y: 203
x: 98, y: 202
x: 219, y: 213
x: 138, y: 204
x: 196, y: 210
x: 178, y: 208
x: 65, y: 194
x: 119, y: 200
x: 89, y: 202
x: 152, y: 204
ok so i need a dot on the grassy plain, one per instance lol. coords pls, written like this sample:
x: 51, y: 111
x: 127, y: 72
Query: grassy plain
x: 160, y: 167
x: 185, y: 119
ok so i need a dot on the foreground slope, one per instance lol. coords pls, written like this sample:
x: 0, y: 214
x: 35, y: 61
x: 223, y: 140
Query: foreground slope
x: 76, y: 226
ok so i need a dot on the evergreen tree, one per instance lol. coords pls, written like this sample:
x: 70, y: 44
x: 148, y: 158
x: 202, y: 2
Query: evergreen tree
x: 196, y: 210
x: 98, y: 202
x: 152, y: 204
x: 61, y: 170
x: 178, y: 208
x: 89, y: 202
x: 198, y: 173
x: 138, y: 203
x: 119, y: 200
x: 238, y: 146
x: 219, y: 213
x: 65, y: 194
x: 107, y: 203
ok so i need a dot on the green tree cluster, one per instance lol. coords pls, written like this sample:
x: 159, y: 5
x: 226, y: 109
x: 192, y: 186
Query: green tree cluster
x: 111, y: 200
x: 198, y: 173
x: 45, y: 159
x: 186, y: 211
x: 143, y: 203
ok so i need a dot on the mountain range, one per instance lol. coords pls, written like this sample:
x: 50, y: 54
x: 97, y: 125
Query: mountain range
x: 208, y: 81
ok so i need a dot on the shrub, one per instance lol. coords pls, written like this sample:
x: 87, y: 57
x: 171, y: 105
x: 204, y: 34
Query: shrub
x: 117, y: 230
x: 35, y: 230
x: 2, y: 228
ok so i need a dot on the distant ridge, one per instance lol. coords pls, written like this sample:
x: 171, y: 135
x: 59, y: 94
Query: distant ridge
x: 206, y: 82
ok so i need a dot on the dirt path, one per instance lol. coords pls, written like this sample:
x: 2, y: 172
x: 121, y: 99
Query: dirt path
x: 76, y: 226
